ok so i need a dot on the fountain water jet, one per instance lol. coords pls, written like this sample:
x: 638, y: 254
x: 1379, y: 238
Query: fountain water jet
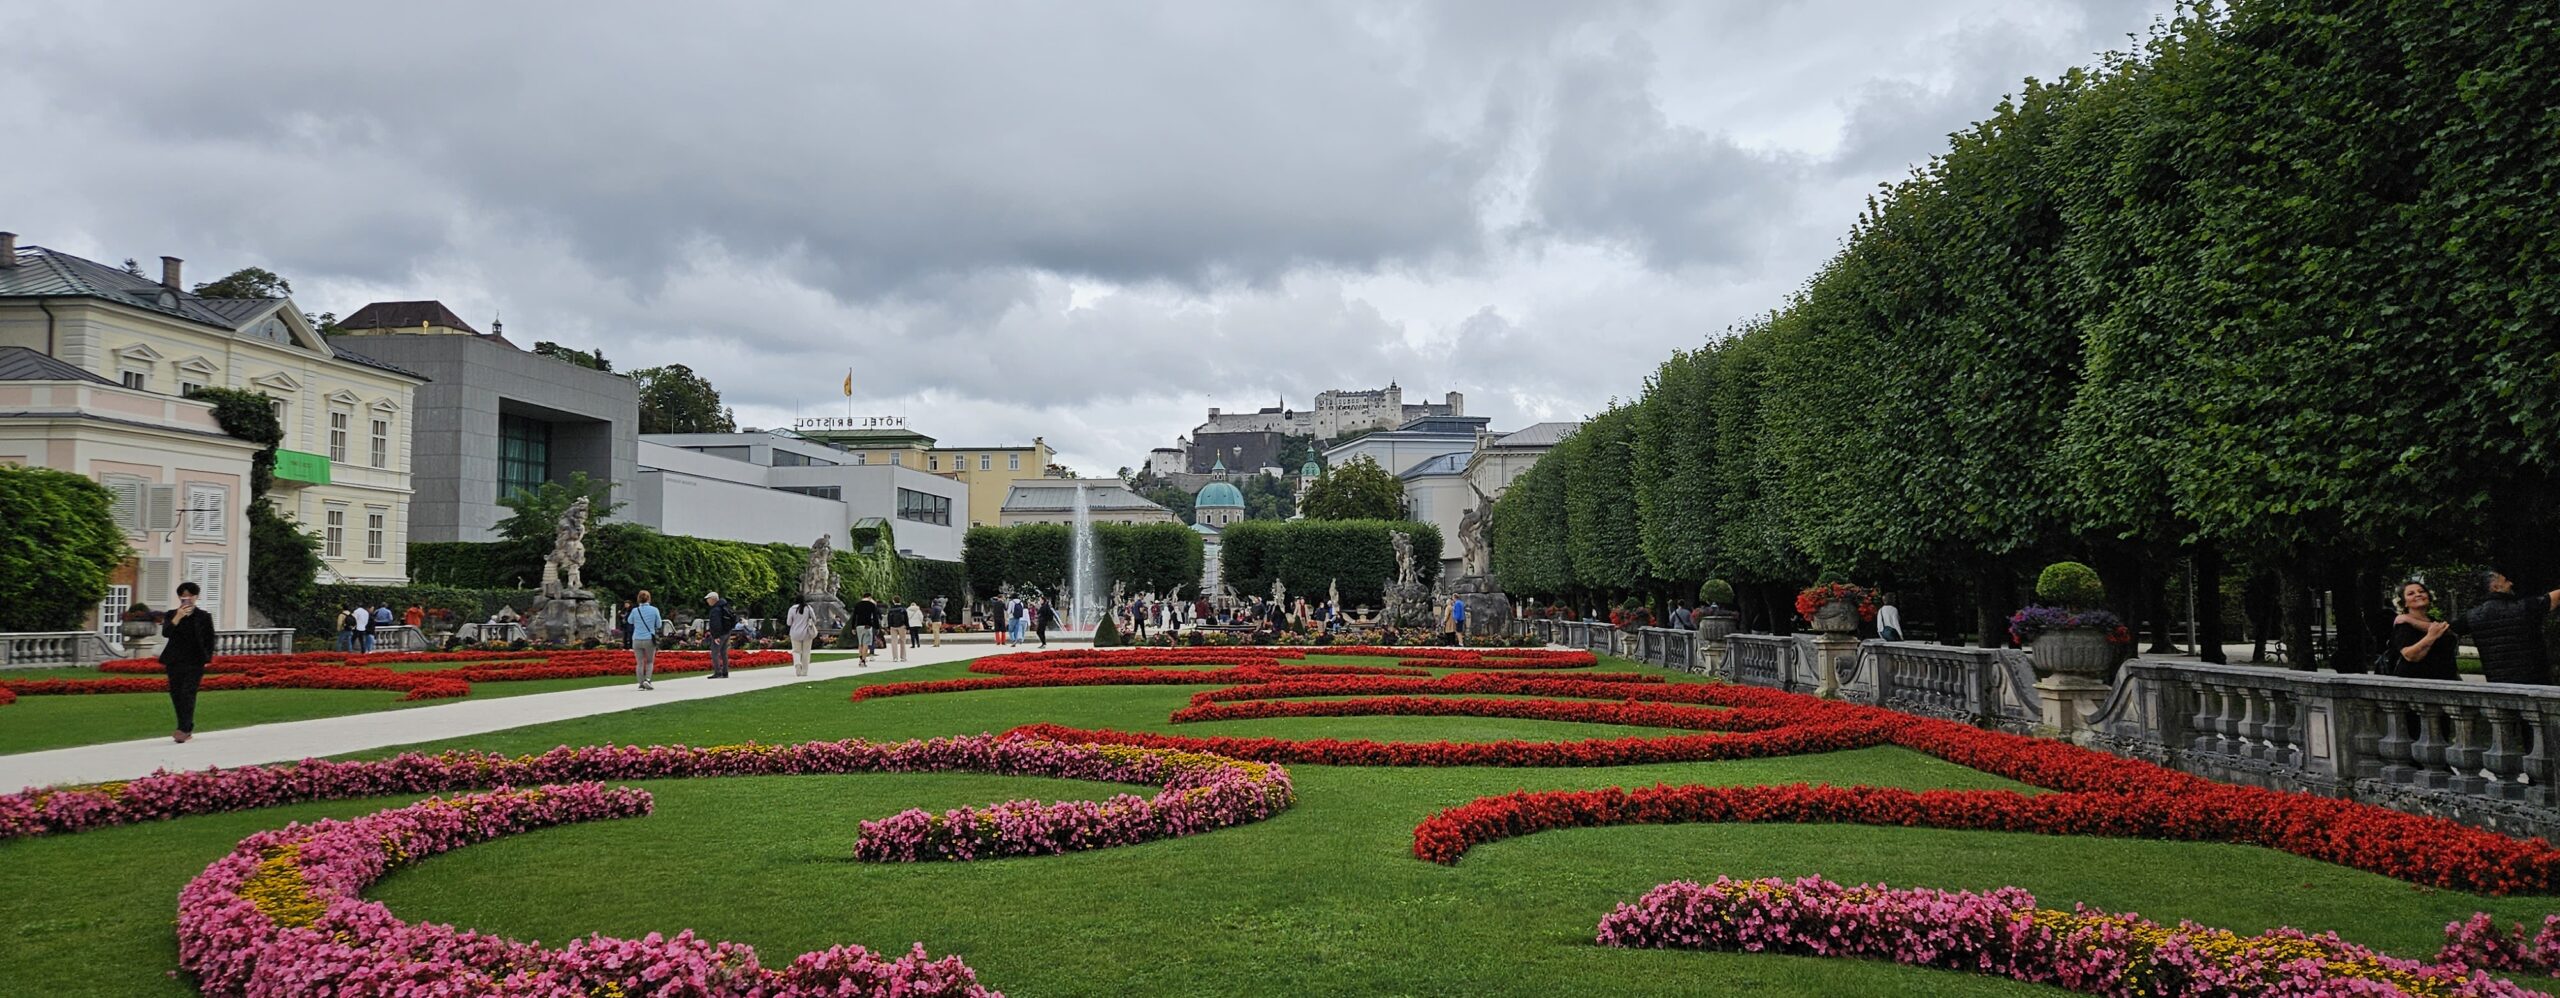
x: 1084, y: 564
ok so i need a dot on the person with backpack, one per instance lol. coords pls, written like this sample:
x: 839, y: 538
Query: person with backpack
x: 346, y: 630
x: 898, y: 624
x: 1019, y: 619
x: 941, y: 610
x: 717, y: 626
x: 866, y: 630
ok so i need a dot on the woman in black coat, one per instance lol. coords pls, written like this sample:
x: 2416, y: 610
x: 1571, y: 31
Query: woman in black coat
x: 189, y: 631
x: 2421, y: 647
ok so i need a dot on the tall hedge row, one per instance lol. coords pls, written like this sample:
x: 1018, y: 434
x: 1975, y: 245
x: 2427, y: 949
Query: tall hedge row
x: 1147, y: 557
x: 1359, y: 556
x: 2271, y: 300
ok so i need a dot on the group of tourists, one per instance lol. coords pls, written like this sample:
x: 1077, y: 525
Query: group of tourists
x: 359, y: 625
x: 1017, y: 619
x: 892, y: 626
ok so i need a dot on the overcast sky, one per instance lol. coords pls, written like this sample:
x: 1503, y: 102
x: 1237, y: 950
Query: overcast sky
x: 1088, y: 221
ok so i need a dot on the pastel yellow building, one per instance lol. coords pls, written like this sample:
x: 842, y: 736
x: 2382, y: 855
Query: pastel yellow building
x: 990, y: 472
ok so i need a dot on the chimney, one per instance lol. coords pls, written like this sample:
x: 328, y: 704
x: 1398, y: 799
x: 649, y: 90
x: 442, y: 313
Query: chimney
x: 8, y: 249
x: 169, y: 272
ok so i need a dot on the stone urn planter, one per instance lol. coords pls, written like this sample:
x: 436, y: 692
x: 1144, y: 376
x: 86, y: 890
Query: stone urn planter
x: 1836, y: 617
x: 1718, y: 626
x: 2074, y: 651
x: 141, y: 638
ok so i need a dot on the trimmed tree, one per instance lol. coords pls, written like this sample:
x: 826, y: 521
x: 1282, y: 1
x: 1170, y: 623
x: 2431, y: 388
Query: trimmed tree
x: 1357, y: 490
x: 59, y: 548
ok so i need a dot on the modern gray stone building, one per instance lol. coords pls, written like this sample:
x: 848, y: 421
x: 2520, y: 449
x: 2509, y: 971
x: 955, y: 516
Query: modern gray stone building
x: 495, y: 418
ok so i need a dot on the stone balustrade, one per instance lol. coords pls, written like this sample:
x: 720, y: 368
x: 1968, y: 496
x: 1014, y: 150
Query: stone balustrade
x: 256, y: 641
x: 2478, y: 753
x: 1988, y: 687
x: 49, y: 649
x: 1667, y: 647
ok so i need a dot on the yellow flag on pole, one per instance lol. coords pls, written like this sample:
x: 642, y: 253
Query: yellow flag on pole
x: 848, y: 382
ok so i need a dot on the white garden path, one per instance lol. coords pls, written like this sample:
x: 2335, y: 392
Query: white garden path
x: 290, y: 741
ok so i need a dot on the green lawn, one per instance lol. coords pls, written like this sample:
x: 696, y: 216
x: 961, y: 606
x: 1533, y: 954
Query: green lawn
x: 60, y: 721
x: 1324, y: 899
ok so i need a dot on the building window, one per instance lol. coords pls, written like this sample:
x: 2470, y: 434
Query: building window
x: 924, y: 507
x: 821, y: 491
x: 381, y: 442
x: 986, y: 462
x: 861, y: 459
x: 111, y: 611
x: 933, y: 462
x: 524, y: 454
x: 128, y: 500
x: 373, y: 530
x: 188, y: 388
x: 135, y: 380
x: 333, y: 538
x: 205, y: 570
x: 1013, y: 462
x: 276, y: 405
x: 897, y: 460
x: 205, y: 512
x: 339, y: 419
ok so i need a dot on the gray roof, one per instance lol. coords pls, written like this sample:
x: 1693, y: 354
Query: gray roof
x: 1537, y: 435
x: 47, y: 273
x: 22, y: 364
x: 1099, y: 496
x: 1445, y: 464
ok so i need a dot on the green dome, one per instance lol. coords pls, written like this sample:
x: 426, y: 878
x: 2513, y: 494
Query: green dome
x: 1312, y: 470
x: 1219, y: 494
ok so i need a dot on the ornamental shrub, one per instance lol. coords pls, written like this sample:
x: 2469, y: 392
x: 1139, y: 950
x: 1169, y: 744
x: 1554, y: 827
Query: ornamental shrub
x: 1716, y: 592
x: 1309, y: 555
x: 2071, y: 585
x: 58, y: 542
x: 1107, y: 633
x: 1146, y: 557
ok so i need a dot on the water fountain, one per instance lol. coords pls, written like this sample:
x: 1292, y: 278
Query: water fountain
x: 1084, y: 562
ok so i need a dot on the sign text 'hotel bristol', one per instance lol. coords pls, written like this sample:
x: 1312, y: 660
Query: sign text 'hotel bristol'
x: 850, y: 423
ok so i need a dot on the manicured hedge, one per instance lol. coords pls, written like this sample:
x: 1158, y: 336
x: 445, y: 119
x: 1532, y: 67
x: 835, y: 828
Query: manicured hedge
x: 1307, y: 555
x: 624, y: 558
x: 1147, y: 557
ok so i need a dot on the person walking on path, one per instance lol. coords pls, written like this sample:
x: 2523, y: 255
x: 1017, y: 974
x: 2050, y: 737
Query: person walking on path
x: 941, y: 607
x: 1016, y: 614
x: 721, y: 621
x: 644, y: 623
x: 1047, y: 619
x: 346, y: 630
x: 415, y: 616
x: 1457, y: 621
x: 1000, y: 617
x: 2421, y: 646
x: 804, y: 630
x: 364, y: 629
x: 2507, y: 626
x: 915, y: 625
x: 866, y: 629
x: 897, y: 630
x: 381, y: 621
x: 189, y: 631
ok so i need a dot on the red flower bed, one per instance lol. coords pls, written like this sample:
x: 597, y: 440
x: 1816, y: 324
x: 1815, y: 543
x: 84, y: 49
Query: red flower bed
x: 1594, y: 752
x: 416, y: 685
x: 1647, y: 715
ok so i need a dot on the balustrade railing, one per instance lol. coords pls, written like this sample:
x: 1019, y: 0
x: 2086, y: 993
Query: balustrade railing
x: 2477, y: 752
x: 259, y: 641
x: 1667, y: 647
x: 46, y: 649
x: 1991, y: 687
x: 1760, y: 660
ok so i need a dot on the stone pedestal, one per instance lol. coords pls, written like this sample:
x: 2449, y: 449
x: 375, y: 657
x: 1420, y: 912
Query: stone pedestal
x: 1488, y: 609
x: 2068, y: 700
x: 833, y: 618
x: 1830, y: 652
x: 569, y: 617
x: 1711, y: 656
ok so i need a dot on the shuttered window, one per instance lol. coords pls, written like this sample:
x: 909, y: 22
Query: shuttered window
x: 208, y: 513
x: 128, y: 494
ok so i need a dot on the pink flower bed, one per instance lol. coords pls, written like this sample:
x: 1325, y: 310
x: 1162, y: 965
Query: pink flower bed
x: 1201, y: 792
x: 2477, y: 942
x: 171, y: 795
x: 2004, y: 934
x: 283, y: 915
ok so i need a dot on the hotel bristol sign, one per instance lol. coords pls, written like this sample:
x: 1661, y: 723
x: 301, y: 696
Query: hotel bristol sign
x: 849, y: 423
